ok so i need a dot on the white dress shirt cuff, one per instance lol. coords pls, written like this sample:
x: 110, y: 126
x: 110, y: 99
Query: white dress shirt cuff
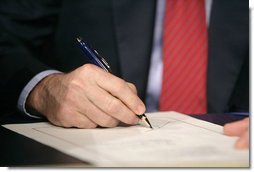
x: 29, y: 87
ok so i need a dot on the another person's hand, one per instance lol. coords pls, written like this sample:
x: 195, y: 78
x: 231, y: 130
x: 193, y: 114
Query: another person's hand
x: 86, y: 98
x: 240, y: 129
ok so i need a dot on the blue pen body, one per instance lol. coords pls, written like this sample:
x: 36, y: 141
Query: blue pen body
x: 93, y: 55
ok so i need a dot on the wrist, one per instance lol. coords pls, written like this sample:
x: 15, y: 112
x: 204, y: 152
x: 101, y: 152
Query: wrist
x: 35, y: 103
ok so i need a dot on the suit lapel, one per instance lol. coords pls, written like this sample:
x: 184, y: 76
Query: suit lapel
x: 134, y: 22
x: 225, y: 51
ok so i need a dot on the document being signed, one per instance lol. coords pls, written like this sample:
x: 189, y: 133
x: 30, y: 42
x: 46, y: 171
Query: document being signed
x: 177, y: 140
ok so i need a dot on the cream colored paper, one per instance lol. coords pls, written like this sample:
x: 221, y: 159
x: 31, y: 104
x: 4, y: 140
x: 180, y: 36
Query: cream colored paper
x: 177, y: 140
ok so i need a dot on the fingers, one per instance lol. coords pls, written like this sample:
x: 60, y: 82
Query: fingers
x: 75, y: 114
x: 132, y: 87
x: 97, y: 116
x: 236, y: 128
x: 243, y: 141
x: 77, y: 120
x: 103, y: 99
x: 87, y: 97
x: 121, y: 90
x: 71, y: 118
x: 241, y: 129
x: 76, y: 103
x: 112, y: 107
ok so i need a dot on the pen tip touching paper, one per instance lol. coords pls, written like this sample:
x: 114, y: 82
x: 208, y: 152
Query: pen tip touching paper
x: 144, y: 121
x: 149, y: 123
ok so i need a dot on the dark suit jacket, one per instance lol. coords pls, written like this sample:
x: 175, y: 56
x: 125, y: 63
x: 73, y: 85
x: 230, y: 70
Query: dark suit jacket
x: 39, y: 35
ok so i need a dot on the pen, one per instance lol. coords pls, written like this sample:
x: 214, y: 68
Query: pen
x: 99, y: 61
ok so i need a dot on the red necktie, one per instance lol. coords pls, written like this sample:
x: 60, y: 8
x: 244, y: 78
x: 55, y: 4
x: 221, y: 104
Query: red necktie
x: 184, y: 57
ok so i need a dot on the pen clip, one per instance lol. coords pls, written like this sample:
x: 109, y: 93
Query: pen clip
x: 93, y: 55
x: 103, y: 60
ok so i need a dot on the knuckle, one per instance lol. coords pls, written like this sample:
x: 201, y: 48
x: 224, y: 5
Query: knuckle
x: 81, y: 72
x: 133, y: 87
x: 74, y: 82
x: 113, y: 106
x: 120, y: 86
x: 87, y: 67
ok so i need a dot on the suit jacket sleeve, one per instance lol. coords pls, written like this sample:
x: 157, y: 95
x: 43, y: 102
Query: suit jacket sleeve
x: 25, y: 28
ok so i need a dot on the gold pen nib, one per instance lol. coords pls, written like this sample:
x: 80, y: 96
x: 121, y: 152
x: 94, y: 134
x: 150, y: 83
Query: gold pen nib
x: 148, y: 123
x: 144, y: 121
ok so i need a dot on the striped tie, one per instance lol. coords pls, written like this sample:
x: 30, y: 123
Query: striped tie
x: 184, y: 57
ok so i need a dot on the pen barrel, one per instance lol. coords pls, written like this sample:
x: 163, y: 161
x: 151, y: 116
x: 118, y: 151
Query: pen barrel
x: 94, y: 57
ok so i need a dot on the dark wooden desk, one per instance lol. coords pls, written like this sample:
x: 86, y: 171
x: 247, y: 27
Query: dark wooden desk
x: 17, y: 150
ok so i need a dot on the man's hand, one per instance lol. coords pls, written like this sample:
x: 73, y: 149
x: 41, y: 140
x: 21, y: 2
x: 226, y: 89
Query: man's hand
x: 86, y: 98
x: 241, y: 129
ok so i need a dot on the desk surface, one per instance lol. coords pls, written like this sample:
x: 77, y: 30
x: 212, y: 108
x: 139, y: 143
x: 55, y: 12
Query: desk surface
x: 17, y: 150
